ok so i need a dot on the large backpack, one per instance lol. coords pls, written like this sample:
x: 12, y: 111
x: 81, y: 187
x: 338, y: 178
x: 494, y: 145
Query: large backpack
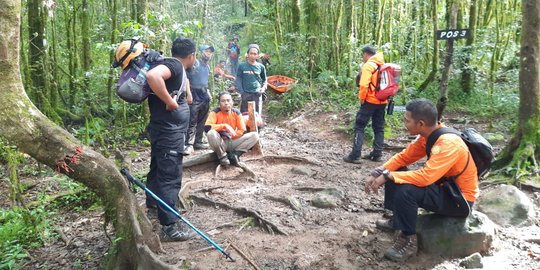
x: 480, y: 149
x: 133, y: 89
x: 389, y: 76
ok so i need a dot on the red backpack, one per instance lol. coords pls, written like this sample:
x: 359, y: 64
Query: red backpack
x: 388, y: 81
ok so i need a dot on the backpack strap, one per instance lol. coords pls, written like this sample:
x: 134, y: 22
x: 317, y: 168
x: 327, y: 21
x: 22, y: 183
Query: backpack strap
x: 377, y: 69
x: 434, y: 136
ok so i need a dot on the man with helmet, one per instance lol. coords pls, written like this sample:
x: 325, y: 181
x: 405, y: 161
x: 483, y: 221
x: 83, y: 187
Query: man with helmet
x: 198, y: 79
x: 169, y: 119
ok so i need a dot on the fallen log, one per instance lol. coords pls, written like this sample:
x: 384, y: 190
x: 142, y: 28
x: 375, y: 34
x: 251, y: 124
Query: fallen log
x: 244, y: 211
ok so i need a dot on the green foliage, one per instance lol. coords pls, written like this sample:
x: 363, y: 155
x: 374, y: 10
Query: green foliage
x: 21, y: 230
x: 78, y: 197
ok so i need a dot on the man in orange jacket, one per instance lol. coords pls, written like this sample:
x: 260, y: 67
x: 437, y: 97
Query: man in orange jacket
x: 370, y: 108
x: 406, y: 191
x: 227, y: 132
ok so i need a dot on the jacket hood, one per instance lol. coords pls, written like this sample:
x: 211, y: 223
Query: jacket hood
x: 378, y: 58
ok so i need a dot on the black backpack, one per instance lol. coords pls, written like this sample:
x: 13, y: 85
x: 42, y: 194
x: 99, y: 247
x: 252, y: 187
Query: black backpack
x: 481, y: 150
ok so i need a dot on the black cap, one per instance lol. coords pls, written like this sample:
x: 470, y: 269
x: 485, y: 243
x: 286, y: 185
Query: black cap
x: 369, y: 49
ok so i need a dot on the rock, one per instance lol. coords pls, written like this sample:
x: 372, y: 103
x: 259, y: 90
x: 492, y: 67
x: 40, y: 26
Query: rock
x: 473, y: 261
x: 301, y: 170
x: 494, y: 138
x: 334, y: 192
x: 322, y: 200
x: 506, y: 205
x: 448, y: 236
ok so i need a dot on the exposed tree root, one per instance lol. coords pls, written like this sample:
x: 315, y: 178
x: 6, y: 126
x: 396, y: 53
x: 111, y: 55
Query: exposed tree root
x: 261, y: 221
x: 284, y: 159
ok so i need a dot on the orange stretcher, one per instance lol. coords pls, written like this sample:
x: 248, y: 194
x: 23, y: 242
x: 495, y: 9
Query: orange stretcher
x: 280, y: 83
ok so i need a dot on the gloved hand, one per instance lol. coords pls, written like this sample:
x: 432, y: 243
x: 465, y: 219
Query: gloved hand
x: 152, y: 56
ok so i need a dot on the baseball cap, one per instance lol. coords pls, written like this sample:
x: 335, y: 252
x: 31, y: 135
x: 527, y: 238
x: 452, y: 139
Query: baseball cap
x: 204, y: 47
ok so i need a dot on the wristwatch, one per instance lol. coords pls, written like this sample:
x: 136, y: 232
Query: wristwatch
x: 386, y: 175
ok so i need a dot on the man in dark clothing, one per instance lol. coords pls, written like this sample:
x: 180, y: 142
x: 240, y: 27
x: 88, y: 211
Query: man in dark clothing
x: 198, y: 79
x: 251, y: 79
x: 169, y: 119
x: 233, y: 51
x: 370, y: 108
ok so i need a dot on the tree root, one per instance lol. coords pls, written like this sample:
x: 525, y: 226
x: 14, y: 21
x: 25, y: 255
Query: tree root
x: 261, y: 221
x: 241, y: 165
x: 284, y: 159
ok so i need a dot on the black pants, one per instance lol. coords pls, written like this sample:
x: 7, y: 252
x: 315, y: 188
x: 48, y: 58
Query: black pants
x: 198, y: 112
x: 165, y: 176
x: 247, y: 97
x: 404, y: 200
x: 368, y: 111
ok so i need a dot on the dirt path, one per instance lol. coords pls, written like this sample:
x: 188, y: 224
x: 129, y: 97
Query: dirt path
x: 343, y: 237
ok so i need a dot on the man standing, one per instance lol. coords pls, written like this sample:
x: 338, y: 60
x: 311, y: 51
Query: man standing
x: 233, y: 51
x: 169, y: 119
x: 370, y: 108
x: 449, y: 164
x: 198, y: 111
x: 227, y: 132
x: 251, y: 79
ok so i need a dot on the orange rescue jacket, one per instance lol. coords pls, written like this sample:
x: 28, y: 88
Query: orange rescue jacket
x: 448, y: 158
x: 218, y: 121
x: 368, y: 79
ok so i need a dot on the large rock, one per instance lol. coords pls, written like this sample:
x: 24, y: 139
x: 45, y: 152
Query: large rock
x: 328, y: 198
x: 455, y: 237
x: 506, y: 205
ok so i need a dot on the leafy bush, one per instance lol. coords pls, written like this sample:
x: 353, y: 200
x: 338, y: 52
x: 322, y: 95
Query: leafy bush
x: 20, y: 230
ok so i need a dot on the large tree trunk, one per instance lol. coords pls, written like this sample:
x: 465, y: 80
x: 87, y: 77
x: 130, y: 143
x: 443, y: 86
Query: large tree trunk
x: 523, y: 151
x: 33, y: 133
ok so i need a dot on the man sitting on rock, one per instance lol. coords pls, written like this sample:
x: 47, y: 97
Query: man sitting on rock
x: 427, y: 187
x: 226, y: 135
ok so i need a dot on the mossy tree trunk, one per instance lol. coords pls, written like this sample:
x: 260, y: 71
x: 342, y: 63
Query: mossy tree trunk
x: 467, y: 82
x: 33, y: 133
x: 435, y: 59
x: 445, y: 74
x: 523, y: 151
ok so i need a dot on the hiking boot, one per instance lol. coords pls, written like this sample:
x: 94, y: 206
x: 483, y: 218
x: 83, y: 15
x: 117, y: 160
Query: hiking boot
x: 200, y: 146
x: 372, y: 158
x: 348, y: 159
x: 224, y: 161
x: 385, y: 225
x: 175, y: 232
x: 403, y: 248
x: 188, y: 150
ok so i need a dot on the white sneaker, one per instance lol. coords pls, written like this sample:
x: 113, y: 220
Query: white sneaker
x: 188, y: 150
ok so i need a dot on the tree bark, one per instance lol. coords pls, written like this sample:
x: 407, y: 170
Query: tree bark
x: 467, y: 76
x: 443, y: 94
x: 435, y: 59
x: 33, y: 133
x: 521, y: 154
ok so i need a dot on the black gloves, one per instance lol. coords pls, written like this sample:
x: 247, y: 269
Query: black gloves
x: 152, y: 56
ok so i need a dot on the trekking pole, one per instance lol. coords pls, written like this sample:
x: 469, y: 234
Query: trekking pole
x: 132, y: 179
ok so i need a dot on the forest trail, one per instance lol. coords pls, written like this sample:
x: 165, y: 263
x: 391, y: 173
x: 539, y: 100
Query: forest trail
x: 295, y: 234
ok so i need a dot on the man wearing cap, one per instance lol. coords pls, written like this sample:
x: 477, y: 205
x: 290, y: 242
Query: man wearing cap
x: 370, y: 108
x: 198, y: 111
x: 251, y: 79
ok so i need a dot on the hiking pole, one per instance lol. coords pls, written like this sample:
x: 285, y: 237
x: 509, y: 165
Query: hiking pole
x: 132, y: 179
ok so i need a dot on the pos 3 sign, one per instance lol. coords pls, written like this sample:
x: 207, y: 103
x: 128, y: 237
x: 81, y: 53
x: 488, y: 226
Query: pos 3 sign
x: 453, y: 33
